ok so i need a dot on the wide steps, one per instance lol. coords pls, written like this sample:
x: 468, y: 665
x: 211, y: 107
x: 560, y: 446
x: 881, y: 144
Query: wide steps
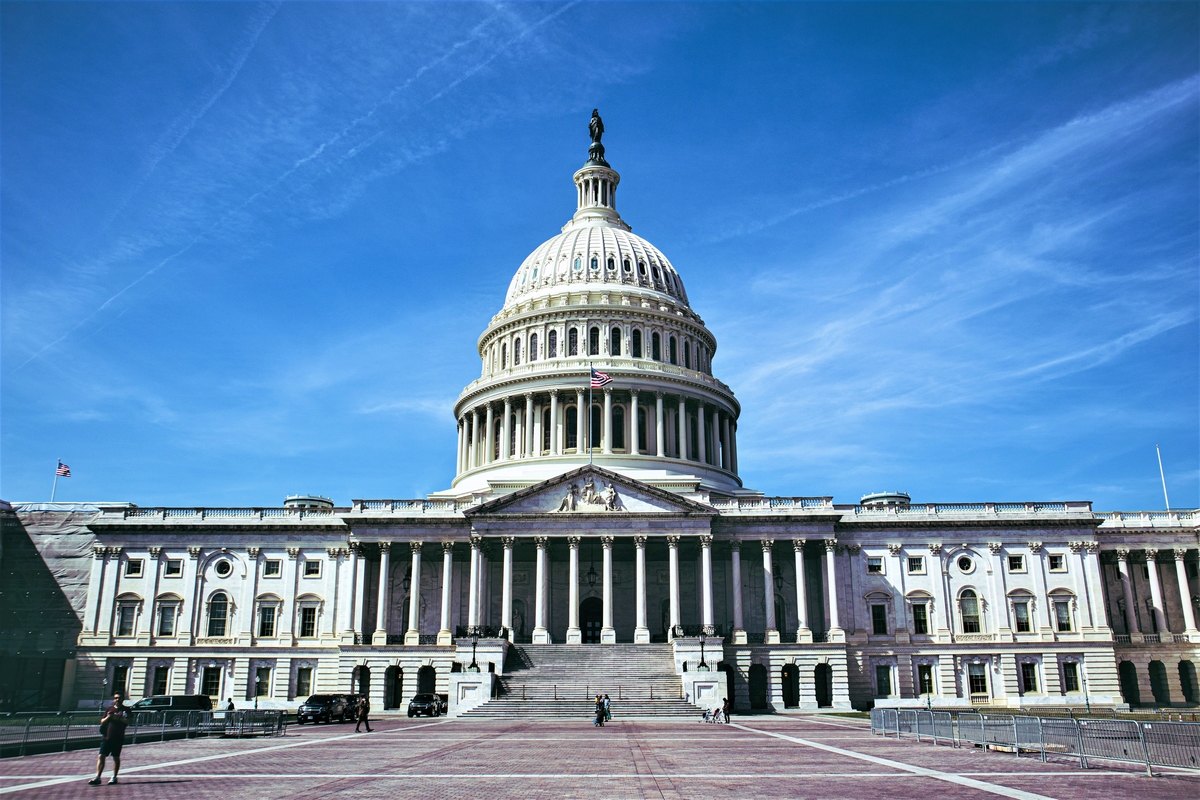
x: 580, y: 709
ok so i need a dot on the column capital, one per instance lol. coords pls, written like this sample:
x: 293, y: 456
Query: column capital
x: 101, y: 552
x: 155, y: 552
x: 355, y: 546
x: 995, y: 547
x: 415, y: 547
x: 639, y: 541
x: 294, y: 552
x: 476, y: 541
x: 1180, y: 553
x: 529, y: 397
x: 1035, y: 547
x: 608, y: 390
x: 658, y: 395
x: 831, y: 545
x: 384, y: 547
x: 706, y: 540
x: 508, y: 542
x: 1122, y: 553
x: 935, y: 548
x: 553, y: 392
x: 735, y: 546
x: 1092, y: 547
x: 573, y: 541
x: 542, y: 542
x: 853, y: 549
x: 447, y: 547
x: 673, y: 540
x: 1075, y: 547
x: 507, y: 404
x: 767, y: 544
x: 894, y: 549
x: 606, y: 541
x: 633, y: 392
x: 333, y: 552
x: 1151, y: 554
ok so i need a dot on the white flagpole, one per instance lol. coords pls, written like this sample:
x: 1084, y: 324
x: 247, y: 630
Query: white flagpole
x: 55, y: 487
x: 1163, y: 476
x: 589, y: 413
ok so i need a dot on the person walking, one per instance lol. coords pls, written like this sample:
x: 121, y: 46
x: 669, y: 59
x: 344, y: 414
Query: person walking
x: 364, y: 710
x: 725, y: 706
x: 112, y: 739
x: 228, y: 705
x: 607, y: 709
x: 599, y: 723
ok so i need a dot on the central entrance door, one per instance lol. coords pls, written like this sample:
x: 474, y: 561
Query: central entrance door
x: 591, y: 613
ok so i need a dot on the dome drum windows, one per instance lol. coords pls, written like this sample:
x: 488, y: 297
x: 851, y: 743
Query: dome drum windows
x: 627, y: 265
x: 552, y: 345
x: 614, y: 347
x: 594, y: 341
x: 572, y: 427
x: 573, y: 342
x: 687, y: 356
x: 635, y: 343
x: 655, y: 346
x: 504, y: 356
x: 533, y: 347
x: 671, y: 351
x: 516, y: 352
x: 595, y: 263
x: 612, y: 264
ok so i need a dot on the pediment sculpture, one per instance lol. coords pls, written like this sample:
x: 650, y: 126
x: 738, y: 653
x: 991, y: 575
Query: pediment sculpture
x: 588, y: 498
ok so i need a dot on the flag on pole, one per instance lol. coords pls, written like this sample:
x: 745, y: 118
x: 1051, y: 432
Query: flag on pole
x: 600, y: 379
x: 63, y: 470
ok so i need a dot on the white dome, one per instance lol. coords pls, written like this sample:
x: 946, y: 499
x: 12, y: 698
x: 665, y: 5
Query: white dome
x: 621, y: 258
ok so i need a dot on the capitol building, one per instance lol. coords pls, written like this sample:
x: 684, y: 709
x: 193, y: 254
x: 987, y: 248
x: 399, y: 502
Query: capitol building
x: 597, y: 537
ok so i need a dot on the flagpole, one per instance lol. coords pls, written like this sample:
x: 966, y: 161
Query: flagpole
x: 55, y: 487
x: 589, y: 413
x: 1163, y: 476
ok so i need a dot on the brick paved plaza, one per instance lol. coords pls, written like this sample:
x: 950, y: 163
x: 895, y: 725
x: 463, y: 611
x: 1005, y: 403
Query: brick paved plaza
x: 784, y: 757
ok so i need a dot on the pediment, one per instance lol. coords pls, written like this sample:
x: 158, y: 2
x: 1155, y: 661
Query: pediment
x: 591, y: 490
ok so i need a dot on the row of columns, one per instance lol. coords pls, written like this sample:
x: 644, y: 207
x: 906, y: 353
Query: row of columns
x: 412, y: 634
x: 476, y: 449
x: 1156, y: 600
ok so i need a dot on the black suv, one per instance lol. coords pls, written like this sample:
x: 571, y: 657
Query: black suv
x: 322, y: 708
x: 429, y: 704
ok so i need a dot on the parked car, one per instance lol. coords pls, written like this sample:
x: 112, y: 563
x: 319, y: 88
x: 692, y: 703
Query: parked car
x: 430, y: 705
x: 176, y: 706
x: 322, y: 708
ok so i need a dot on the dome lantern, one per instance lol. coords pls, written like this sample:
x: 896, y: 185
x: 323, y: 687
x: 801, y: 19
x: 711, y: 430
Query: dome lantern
x: 596, y: 185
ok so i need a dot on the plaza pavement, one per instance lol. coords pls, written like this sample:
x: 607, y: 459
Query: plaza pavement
x: 756, y: 757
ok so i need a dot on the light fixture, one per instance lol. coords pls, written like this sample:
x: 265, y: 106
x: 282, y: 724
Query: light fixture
x: 779, y: 583
x: 408, y: 579
x: 592, y: 576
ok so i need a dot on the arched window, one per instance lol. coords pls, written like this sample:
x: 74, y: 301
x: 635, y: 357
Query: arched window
x: 627, y: 265
x: 533, y: 348
x: 572, y: 427
x: 497, y: 429
x: 642, y: 268
x: 552, y: 345
x: 611, y: 264
x: 671, y: 350
x: 547, y: 428
x: 641, y: 418
x: 655, y: 347
x: 635, y: 341
x: 595, y: 263
x: 503, y: 356
x: 594, y: 341
x: 697, y: 356
x: 614, y: 346
x: 968, y: 603
x: 618, y: 424
x: 573, y: 342
x: 595, y: 434
x: 687, y: 356
x: 516, y: 352
x: 218, y: 614
x: 578, y: 264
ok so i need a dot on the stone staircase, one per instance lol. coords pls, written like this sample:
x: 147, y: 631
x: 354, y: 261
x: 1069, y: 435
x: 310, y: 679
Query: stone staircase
x: 562, y: 680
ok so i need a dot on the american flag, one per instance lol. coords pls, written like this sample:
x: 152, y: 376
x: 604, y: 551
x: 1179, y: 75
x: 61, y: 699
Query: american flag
x: 63, y: 470
x: 600, y: 379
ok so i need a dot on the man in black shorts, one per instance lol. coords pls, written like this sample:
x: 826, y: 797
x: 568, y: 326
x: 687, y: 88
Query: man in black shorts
x: 112, y: 739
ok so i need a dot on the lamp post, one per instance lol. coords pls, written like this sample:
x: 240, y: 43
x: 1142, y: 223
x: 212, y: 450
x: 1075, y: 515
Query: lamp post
x: 474, y: 642
x: 1087, y: 700
x: 702, y: 666
x: 257, y: 688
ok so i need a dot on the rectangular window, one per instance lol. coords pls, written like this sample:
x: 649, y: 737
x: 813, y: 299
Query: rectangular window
x: 875, y: 565
x: 925, y: 678
x: 1016, y: 563
x: 262, y: 682
x: 1021, y: 612
x: 977, y: 679
x: 920, y: 619
x: 1062, y: 614
x: 266, y: 621
x: 312, y: 569
x: 174, y: 568
x: 303, y: 681
x: 210, y: 681
x: 1070, y: 676
x: 133, y: 568
x: 308, y: 622
x: 883, y: 680
x: 166, y: 621
x: 879, y: 625
x: 120, y: 680
x: 1058, y: 562
x: 161, y: 676
x: 125, y: 620
x: 916, y: 565
x: 272, y: 568
x: 1028, y: 677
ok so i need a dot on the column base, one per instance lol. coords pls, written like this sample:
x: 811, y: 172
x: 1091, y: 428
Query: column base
x: 379, y: 637
x: 772, y: 637
x: 739, y: 636
x: 541, y: 636
x: 574, y: 636
x: 445, y: 638
x: 804, y: 636
x: 346, y: 637
x: 837, y: 635
x: 641, y: 636
x: 412, y: 637
x: 608, y: 636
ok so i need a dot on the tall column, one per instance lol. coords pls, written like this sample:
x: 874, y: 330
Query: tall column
x: 473, y: 458
x: 352, y: 604
x: 413, y: 634
x: 554, y: 445
x: 581, y: 415
x: 381, y: 609
x: 607, y: 433
x: 473, y: 589
x: 641, y: 633
x: 706, y: 588
x: 608, y: 634
x: 445, y: 636
x: 529, y: 451
x: 733, y: 447
x: 673, y: 570
x: 489, y: 450
x: 633, y: 423
x: 1185, y: 594
x: 836, y: 634
x: 701, y: 434
x: 681, y: 425
x: 540, y: 634
x: 1131, y: 615
x: 518, y: 439
x: 506, y: 588
x: 659, y: 433
x: 803, y: 633
x: 506, y: 430
x: 1156, y: 593
x: 573, y: 634
x: 724, y: 441
x: 458, y: 461
x: 739, y: 624
x: 769, y: 591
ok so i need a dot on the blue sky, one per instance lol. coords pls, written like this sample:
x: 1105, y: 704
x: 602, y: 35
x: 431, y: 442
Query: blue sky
x: 247, y: 249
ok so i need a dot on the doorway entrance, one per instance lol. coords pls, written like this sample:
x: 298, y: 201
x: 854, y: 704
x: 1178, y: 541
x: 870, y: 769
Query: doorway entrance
x: 591, y: 612
x: 823, y: 678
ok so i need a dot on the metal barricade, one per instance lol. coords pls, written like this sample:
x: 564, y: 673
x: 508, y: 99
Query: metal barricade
x: 999, y: 730
x: 906, y: 722
x: 943, y: 727
x: 1060, y: 735
x: 970, y: 729
x: 924, y: 725
x: 876, y: 720
x: 1027, y: 734
x: 1112, y: 739
x: 1172, y: 744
